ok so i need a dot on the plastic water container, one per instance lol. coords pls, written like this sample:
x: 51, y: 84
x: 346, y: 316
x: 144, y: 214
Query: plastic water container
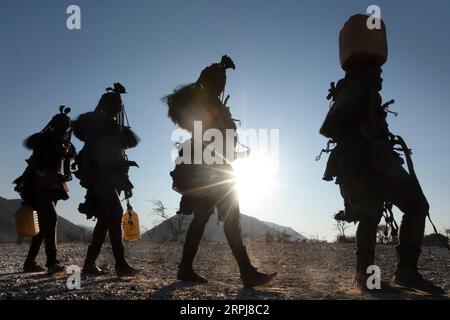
x: 27, y: 222
x: 130, y: 222
x: 358, y: 42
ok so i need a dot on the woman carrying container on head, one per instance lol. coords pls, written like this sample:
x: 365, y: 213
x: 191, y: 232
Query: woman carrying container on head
x: 43, y: 184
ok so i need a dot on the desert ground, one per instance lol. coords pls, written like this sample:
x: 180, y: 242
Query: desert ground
x: 305, y: 271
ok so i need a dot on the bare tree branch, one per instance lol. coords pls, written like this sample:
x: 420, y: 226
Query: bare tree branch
x: 175, y: 224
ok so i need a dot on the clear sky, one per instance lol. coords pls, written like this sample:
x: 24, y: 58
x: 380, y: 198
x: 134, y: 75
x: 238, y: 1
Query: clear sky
x: 286, y: 54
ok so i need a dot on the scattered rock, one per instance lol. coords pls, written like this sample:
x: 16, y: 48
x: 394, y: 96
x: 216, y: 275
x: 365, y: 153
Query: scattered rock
x: 305, y: 271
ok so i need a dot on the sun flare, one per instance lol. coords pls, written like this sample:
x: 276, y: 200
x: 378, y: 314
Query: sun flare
x: 254, y: 178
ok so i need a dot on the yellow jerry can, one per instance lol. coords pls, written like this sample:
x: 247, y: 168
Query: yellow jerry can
x: 130, y: 222
x: 27, y: 222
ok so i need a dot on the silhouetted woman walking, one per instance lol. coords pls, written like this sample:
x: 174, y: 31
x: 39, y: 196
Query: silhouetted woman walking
x: 42, y: 185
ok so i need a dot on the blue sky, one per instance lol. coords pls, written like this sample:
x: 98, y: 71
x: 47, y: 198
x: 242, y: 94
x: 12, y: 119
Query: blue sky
x: 286, y: 54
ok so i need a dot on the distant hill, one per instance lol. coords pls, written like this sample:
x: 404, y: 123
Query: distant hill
x: 67, y: 231
x: 251, y: 227
x: 88, y: 228
x: 7, y: 220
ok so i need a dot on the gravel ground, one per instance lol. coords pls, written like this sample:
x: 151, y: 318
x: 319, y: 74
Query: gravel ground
x: 305, y: 271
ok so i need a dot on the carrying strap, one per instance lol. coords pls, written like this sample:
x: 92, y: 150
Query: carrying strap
x: 407, y: 152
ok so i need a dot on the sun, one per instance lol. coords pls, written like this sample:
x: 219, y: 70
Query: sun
x: 254, y: 177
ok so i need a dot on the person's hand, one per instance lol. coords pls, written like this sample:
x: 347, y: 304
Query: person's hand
x: 128, y: 194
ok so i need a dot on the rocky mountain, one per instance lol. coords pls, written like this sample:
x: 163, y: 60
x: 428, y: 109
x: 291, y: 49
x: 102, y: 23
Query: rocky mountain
x: 251, y: 227
x: 67, y: 231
